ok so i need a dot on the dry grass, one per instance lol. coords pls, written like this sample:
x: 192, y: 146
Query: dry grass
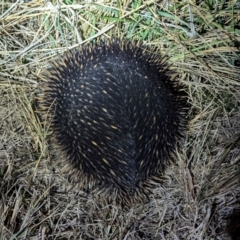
x: 201, y: 200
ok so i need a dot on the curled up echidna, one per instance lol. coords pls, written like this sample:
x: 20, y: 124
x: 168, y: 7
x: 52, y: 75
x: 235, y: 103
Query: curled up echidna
x: 116, y: 116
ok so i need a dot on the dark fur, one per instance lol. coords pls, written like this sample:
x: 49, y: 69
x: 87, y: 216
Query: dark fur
x: 116, y: 116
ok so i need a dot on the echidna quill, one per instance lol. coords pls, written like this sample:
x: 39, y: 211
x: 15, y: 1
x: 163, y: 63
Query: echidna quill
x: 116, y: 116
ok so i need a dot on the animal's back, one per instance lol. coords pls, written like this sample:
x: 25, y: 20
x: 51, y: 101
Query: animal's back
x: 117, y: 114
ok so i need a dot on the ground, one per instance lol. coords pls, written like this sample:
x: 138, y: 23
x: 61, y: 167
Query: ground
x: 201, y: 196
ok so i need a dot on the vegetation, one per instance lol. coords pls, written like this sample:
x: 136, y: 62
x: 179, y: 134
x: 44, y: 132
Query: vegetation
x: 201, y: 199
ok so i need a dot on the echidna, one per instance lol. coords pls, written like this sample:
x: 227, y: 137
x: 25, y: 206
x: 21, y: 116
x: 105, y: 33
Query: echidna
x: 116, y: 116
